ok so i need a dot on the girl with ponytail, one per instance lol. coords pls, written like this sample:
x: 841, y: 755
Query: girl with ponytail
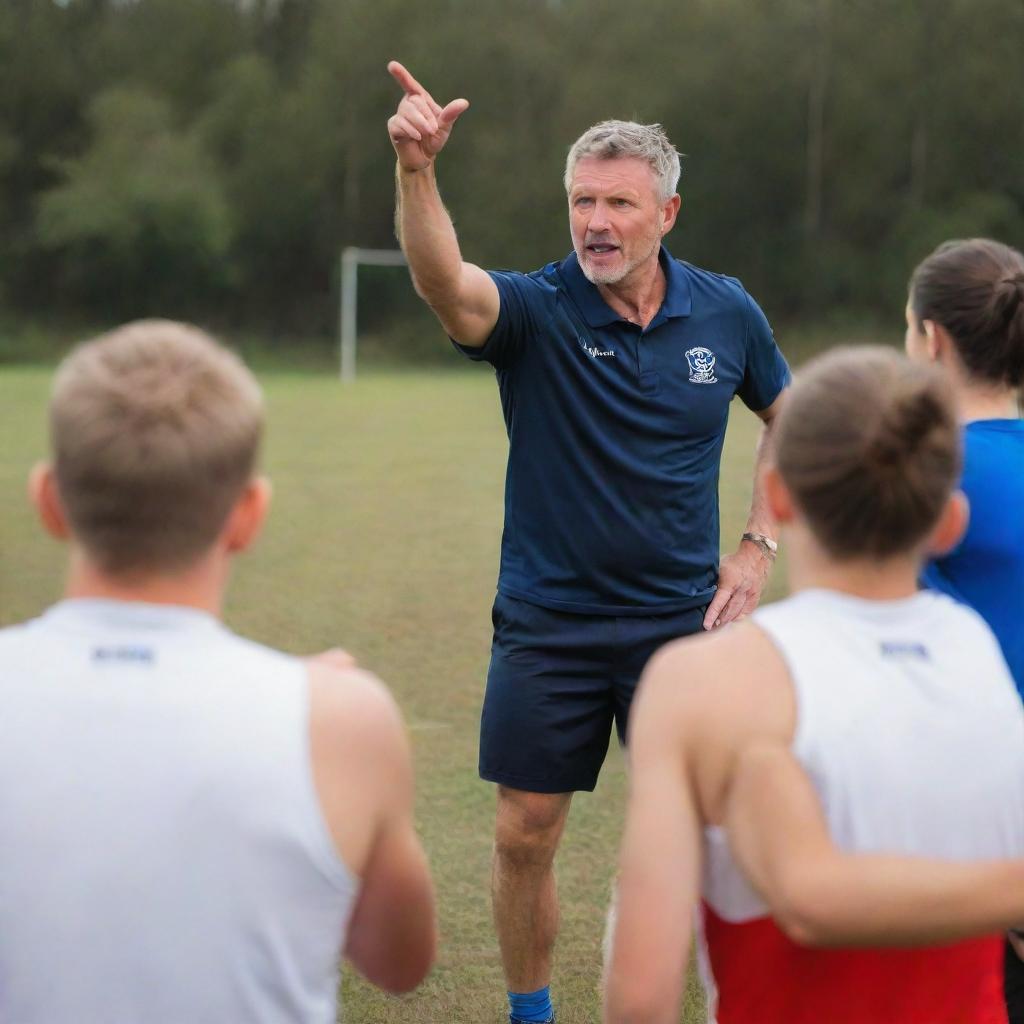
x: 966, y: 315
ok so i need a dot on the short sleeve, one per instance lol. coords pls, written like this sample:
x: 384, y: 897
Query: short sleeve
x: 766, y: 373
x: 519, y: 296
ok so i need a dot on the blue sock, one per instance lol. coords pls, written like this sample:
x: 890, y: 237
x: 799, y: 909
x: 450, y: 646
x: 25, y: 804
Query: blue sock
x: 534, y: 1007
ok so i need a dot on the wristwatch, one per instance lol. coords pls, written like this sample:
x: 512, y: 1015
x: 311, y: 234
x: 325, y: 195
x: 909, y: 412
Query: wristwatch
x: 769, y: 548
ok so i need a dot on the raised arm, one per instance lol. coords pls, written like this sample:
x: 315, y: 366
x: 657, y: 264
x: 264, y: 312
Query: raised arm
x: 462, y: 296
x: 822, y: 896
x: 363, y: 773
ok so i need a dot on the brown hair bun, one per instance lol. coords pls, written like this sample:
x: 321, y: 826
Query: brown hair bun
x: 869, y: 446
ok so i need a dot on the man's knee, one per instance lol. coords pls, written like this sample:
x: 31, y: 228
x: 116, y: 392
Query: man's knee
x: 529, y: 826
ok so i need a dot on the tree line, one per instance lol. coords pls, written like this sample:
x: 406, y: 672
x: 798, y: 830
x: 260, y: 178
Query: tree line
x: 210, y: 158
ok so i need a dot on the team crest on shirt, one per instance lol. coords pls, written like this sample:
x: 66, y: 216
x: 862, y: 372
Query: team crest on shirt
x: 702, y: 365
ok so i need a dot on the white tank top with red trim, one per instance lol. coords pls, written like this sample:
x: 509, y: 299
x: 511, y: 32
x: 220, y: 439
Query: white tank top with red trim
x: 912, y: 732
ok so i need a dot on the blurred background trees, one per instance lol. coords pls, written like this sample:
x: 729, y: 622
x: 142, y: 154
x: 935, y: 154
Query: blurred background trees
x: 210, y: 158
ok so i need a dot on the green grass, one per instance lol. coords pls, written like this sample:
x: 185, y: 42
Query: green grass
x: 384, y: 539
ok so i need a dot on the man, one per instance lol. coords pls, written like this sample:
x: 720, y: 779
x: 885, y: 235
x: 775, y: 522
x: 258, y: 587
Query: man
x: 192, y: 827
x: 616, y: 369
x: 898, y: 705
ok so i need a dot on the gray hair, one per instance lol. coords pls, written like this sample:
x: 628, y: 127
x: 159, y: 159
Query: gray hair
x: 611, y: 139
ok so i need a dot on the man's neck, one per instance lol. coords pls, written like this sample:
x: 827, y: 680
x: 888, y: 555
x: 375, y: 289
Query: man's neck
x: 638, y: 297
x: 200, y: 587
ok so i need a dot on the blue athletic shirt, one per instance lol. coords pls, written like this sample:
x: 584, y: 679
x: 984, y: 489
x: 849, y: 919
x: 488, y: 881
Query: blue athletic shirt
x: 986, y: 569
x: 615, y: 435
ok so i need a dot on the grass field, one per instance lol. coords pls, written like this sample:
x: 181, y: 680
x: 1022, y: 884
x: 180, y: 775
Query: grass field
x: 384, y: 539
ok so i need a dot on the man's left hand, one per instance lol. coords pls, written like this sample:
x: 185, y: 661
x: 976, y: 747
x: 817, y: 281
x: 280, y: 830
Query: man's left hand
x: 741, y: 578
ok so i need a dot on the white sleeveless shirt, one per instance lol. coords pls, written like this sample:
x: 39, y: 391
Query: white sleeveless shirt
x: 910, y: 728
x: 163, y: 856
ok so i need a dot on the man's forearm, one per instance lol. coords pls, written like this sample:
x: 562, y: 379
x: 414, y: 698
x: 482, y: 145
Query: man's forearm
x: 427, y: 236
x: 760, y: 519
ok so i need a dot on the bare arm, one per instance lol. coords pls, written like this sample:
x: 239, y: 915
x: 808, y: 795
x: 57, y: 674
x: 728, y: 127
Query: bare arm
x: 743, y: 574
x: 659, y: 869
x: 363, y: 772
x: 822, y: 896
x: 760, y: 519
x: 700, y: 700
x: 462, y: 296
x: 392, y: 937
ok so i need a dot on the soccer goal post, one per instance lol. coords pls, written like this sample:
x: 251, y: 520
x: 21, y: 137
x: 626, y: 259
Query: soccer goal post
x: 351, y: 257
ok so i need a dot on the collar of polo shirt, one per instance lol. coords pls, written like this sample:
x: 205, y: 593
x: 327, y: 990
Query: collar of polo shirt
x: 598, y: 313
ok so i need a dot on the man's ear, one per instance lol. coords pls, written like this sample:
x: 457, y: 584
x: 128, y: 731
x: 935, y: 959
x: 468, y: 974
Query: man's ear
x: 776, y: 493
x: 45, y: 497
x: 248, y: 516
x: 952, y: 525
x: 669, y: 212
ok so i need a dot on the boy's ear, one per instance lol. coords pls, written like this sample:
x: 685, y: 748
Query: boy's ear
x: 249, y: 514
x: 952, y: 525
x: 45, y: 497
x: 780, y: 501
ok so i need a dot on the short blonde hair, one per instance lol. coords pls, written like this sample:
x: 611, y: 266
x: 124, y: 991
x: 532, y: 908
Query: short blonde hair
x: 155, y: 430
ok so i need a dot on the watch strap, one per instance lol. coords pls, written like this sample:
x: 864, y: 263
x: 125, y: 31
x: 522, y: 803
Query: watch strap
x: 769, y: 548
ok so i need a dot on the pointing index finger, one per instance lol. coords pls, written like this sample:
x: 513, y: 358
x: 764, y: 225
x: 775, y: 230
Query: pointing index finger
x: 401, y: 75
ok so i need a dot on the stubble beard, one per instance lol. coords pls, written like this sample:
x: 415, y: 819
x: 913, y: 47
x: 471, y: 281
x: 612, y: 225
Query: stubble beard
x: 614, y: 275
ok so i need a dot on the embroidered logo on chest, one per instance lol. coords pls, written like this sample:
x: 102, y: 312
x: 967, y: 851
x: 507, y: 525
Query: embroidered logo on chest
x: 593, y: 351
x: 702, y: 365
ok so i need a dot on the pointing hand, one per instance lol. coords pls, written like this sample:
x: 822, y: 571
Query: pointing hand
x: 420, y: 127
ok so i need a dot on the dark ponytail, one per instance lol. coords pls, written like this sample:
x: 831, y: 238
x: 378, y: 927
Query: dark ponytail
x: 975, y: 290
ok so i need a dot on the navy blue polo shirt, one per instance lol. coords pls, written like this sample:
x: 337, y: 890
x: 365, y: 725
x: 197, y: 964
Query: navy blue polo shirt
x: 615, y: 435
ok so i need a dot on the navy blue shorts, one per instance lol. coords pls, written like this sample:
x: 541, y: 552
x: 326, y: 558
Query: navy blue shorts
x: 556, y: 682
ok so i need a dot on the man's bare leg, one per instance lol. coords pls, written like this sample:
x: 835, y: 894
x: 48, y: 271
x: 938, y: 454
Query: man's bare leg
x: 528, y: 829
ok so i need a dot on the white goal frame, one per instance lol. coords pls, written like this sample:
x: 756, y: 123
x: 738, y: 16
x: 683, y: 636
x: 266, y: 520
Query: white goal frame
x: 351, y: 257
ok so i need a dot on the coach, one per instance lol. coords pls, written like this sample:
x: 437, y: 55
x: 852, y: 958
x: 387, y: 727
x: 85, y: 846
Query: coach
x: 616, y: 368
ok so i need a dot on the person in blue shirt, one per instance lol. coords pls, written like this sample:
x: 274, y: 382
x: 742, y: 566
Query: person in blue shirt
x: 616, y: 367
x: 966, y: 313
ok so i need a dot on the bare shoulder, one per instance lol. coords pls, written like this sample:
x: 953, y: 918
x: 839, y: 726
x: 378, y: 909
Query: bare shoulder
x: 362, y: 766
x: 710, y: 696
x: 734, y: 665
x: 352, y: 703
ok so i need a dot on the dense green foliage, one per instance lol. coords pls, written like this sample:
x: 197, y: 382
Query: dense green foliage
x: 209, y: 158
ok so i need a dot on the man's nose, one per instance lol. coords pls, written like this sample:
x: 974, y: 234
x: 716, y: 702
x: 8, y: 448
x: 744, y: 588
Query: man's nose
x: 599, y: 218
